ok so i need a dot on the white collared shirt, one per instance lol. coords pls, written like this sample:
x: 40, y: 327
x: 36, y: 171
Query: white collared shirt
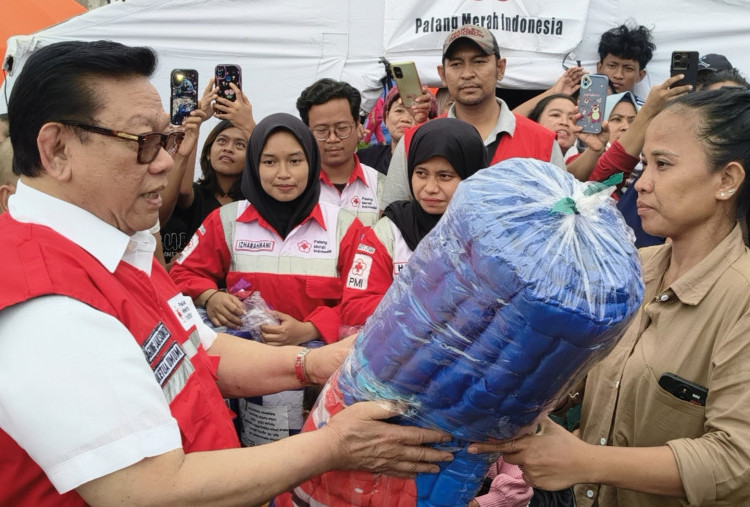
x: 77, y: 393
x: 106, y: 243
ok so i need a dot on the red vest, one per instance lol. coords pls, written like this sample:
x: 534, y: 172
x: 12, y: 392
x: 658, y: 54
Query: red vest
x: 36, y: 261
x: 529, y: 140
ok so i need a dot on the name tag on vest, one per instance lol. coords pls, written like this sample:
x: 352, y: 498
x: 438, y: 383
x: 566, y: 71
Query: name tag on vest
x: 184, y: 310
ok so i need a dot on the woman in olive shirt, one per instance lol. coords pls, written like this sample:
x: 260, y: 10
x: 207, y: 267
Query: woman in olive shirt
x: 644, y: 444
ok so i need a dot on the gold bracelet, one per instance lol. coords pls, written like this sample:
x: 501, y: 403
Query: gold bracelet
x: 300, y: 367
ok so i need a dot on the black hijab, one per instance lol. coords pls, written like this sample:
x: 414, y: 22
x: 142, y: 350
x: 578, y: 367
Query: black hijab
x: 282, y: 216
x: 455, y: 140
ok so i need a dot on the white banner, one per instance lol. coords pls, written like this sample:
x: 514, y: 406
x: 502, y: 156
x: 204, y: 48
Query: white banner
x: 523, y: 25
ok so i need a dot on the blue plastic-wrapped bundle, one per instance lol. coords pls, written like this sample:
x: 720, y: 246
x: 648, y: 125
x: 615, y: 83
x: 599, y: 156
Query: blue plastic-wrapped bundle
x: 528, y: 279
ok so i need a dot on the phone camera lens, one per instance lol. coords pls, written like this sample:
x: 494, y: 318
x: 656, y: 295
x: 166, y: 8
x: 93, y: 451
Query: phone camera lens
x: 398, y: 72
x: 683, y: 393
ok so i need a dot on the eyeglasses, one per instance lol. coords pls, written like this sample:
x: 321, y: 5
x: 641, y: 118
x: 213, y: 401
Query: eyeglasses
x: 148, y: 144
x: 342, y: 131
x: 570, y: 60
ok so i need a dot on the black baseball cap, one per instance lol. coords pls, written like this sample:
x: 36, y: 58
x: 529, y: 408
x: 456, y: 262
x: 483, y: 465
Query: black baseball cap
x: 713, y: 62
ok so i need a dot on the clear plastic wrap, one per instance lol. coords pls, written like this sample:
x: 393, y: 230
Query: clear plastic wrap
x: 528, y: 279
x: 257, y: 313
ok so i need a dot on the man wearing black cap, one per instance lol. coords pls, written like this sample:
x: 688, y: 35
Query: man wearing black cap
x: 470, y: 69
x: 715, y: 71
x: 713, y: 62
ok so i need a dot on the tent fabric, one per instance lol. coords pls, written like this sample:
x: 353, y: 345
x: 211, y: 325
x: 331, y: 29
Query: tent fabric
x: 22, y: 17
x: 283, y: 47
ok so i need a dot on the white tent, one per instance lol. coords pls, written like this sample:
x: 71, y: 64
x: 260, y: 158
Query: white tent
x: 284, y: 46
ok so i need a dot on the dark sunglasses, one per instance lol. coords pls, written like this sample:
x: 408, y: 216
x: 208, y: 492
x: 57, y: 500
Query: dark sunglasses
x: 148, y: 144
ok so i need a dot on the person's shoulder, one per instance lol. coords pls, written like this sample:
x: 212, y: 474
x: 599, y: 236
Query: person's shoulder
x: 333, y: 212
x: 372, y: 150
x: 367, y: 169
x: 741, y: 267
x: 240, y: 210
x: 383, y: 226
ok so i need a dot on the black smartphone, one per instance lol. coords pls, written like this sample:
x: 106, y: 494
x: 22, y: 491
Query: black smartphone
x: 684, y: 62
x: 592, y: 98
x: 226, y: 74
x: 183, y: 94
x: 684, y: 389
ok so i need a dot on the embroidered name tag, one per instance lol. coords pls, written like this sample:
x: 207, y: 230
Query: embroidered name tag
x: 168, y: 363
x: 366, y: 248
x: 247, y: 245
x: 155, y: 341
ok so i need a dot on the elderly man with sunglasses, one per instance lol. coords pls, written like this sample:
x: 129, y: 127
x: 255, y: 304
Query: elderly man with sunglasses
x: 111, y: 390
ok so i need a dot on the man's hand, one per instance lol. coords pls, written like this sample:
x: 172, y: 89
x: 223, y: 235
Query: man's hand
x: 224, y: 309
x: 289, y: 331
x: 420, y: 110
x: 364, y: 442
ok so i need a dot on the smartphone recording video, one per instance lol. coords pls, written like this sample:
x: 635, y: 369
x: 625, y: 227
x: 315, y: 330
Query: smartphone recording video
x: 183, y: 94
x: 225, y: 75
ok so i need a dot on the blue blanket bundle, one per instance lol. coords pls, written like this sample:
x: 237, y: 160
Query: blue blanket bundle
x: 527, y: 280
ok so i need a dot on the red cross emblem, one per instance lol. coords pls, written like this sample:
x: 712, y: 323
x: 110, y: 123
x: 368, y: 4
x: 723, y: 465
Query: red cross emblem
x: 304, y: 246
x: 359, y: 267
x: 355, y: 201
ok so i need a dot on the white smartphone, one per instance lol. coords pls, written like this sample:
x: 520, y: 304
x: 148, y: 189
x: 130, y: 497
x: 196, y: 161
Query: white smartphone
x: 407, y: 81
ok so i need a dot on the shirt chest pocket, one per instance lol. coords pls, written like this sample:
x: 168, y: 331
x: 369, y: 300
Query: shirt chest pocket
x: 668, y: 418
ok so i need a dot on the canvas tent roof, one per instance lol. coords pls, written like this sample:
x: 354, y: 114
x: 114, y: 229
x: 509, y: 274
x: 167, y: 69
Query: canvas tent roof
x: 22, y: 17
x: 284, y: 46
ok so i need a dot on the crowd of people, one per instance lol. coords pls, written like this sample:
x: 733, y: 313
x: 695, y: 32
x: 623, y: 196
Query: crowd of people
x: 114, y: 252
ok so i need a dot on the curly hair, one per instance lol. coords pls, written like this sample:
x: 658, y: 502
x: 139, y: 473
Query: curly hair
x: 629, y: 43
x: 324, y: 90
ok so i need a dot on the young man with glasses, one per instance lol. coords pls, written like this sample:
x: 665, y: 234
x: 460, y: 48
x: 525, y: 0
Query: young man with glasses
x: 111, y: 385
x: 331, y: 110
